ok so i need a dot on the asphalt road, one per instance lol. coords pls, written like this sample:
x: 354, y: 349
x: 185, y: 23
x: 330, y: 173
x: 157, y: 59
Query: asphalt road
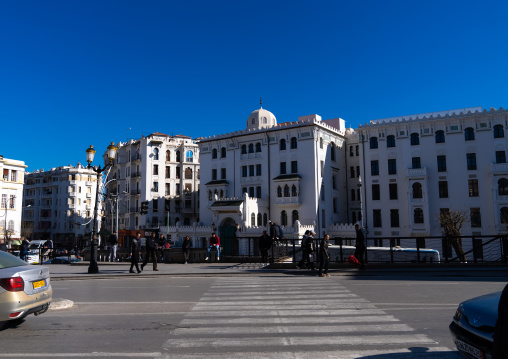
x: 265, y: 316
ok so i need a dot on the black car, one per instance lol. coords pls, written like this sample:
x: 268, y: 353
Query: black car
x: 473, y: 326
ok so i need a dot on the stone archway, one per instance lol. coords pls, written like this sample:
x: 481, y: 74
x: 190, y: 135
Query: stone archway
x: 227, y: 235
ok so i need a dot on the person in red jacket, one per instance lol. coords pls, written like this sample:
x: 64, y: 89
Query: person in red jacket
x: 214, y: 242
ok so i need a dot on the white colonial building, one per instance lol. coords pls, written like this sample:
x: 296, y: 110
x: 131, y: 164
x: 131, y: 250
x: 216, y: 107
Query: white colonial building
x: 11, y: 193
x: 414, y: 167
x: 159, y: 169
x: 59, y: 204
x: 291, y: 173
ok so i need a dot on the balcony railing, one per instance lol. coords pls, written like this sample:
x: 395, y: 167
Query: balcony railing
x: 136, y: 157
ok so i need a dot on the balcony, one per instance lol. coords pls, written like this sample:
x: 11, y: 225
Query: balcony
x: 135, y: 192
x: 417, y: 172
x: 499, y: 168
x: 136, y: 158
x: 135, y: 174
x: 88, y: 195
x: 288, y: 200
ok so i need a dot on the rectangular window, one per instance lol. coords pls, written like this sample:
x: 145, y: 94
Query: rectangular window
x: 251, y: 170
x: 178, y: 172
x: 471, y: 161
x: 416, y: 163
x: 443, y: 189
x: 394, y: 218
x: 251, y: 192
x: 376, y: 193
x: 322, y: 169
x: 4, y: 201
x: 168, y: 171
x: 357, y: 171
x: 392, y: 166
x: 473, y: 187
x: 353, y: 172
x: 258, y: 192
x: 441, y: 163
x: 283, y: 168
x: 294, y: 166
x: 168, y: 191
x: 244, y: 171
x: 223, y: 173
x: 156, y: 187
x: 500, y: 157
x: 214, y: 174
x: 376, y: 217
x: 155, y: 205
x: 155, y: 170
x: 335, y: 205
x: 393, y: 190
x: 476, y: 218
x: 374, y: 168
x: 258, y: 170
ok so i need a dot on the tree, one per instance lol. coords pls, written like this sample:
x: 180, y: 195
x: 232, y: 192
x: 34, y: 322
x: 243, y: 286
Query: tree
x: 452, y: 222
x: 27, y: 229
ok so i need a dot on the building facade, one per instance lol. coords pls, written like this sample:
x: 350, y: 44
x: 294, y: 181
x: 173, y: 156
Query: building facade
x: 159, y: 169
x: 415, y: 167
x: 59, y: 204
x: 11, y: 195
x: 291, y: 173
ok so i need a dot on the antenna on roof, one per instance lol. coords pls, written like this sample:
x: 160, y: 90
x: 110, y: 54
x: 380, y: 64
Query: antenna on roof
x: 261, y: 102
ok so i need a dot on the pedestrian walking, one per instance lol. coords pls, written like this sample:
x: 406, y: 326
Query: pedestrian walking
x: 23, y: 249
x: 324, y: 257
x: 113, y: 246
x: 307, y: 251
x: 360, y: 246
x: 48, y: 248
x: 161, y: 244
x: 135, y: 252
x: 150, y: 252
x: 265, y: 243
x: 214, y: 243
x: 186, y: 246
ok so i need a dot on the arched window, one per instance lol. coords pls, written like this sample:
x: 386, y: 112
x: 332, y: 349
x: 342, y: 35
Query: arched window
x: 294, y: 216
x: 221, y: 193
x: 253, y: 121
x: 359, y: 215
x: 357, y: 150
x: 390, y: 141
x: 294, y: 192
x: 504, y: 215
x: 417, y: 190
x: 440, y: 136
x: 216, y: 194
x: 260, y: 219
x: 156, y: 154
x: 373, y: 142
x: 353, y: 197
x: 286, y: 191
x: 294, y: 143
x: 223, y: 152
x: 469, y: 134
x: 188, y: 173
x: 244, y: 149
x: 251, y: 148
x: 168, y: 155
x: 502, y: 187
x: 282, y: 145
x: 498, y: 131
x: 258, y: 147
x: 279, y: 191
x: 186, y: 221
x: 358, y: 194
x: 418, y: 215
x: 253, y: 219
x: 351, y: 152
x: 265, y: 219
x: 210, y: 195
x: 214, y: 153
x: 177, y: 156
x: 189, y: 156
x: 415, y: 139
x: 321, y: 142
x: 177, y: 219
x: 332, y: 151
x: 353, y: 217
x: 283, y: 218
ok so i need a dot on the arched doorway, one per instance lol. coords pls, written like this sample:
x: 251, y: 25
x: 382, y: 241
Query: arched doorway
x: 227, y: 235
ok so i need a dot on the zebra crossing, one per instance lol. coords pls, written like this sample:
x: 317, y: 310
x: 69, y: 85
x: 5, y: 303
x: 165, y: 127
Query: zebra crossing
x: 288, y: 317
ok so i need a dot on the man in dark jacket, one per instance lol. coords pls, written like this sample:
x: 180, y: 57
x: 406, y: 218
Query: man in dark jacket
x: 23, y: 249
x: 150, y: 251
x: 135, y: 252
x: 307, y: 250
x: 265, y: 243
x: 161, y: 244
x: 186, y: 246
x: 324, y: 257
x: 360, y: 246
x: 113, y: 245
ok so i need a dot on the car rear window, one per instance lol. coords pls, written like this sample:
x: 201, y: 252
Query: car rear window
x: 7, y: 260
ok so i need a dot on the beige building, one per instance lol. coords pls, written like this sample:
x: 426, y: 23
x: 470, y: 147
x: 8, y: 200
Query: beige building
x: 11, y: 194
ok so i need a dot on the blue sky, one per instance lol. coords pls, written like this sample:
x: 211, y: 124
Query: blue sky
x: 75, y: 73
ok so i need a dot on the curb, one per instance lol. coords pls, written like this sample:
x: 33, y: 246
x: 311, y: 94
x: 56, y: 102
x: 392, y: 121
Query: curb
x: 59, y: 304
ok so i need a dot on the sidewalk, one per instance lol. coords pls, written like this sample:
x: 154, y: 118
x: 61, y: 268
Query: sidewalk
x: 79, y: 271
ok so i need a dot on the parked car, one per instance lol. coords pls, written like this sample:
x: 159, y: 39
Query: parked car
x: 24, y: 289
x: 473, y: 326
x: 62, y: 260
x: 31, y: 257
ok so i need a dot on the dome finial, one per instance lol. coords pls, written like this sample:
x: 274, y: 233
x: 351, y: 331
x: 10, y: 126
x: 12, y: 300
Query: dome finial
x: 261, y: 102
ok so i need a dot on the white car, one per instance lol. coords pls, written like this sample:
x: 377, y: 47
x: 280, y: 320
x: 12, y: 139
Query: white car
x: 31, y: 257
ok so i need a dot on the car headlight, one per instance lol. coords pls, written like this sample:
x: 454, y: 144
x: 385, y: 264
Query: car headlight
x: 458, y: 315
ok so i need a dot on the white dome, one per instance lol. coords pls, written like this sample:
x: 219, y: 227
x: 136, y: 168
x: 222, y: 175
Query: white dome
x: 261, y: 119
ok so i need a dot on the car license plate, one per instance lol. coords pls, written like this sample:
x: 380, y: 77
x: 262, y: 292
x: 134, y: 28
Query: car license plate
x: 476, y: 353
x: 39, y: 284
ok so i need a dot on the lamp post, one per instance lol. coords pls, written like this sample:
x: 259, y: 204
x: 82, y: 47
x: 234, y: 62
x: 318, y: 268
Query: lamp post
x: 90, y: 153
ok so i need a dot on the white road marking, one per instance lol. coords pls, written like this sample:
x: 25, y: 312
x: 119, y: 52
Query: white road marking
x: 294, y: 320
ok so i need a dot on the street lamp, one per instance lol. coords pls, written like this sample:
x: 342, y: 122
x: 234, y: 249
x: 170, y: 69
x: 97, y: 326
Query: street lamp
x: 90, y: 153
